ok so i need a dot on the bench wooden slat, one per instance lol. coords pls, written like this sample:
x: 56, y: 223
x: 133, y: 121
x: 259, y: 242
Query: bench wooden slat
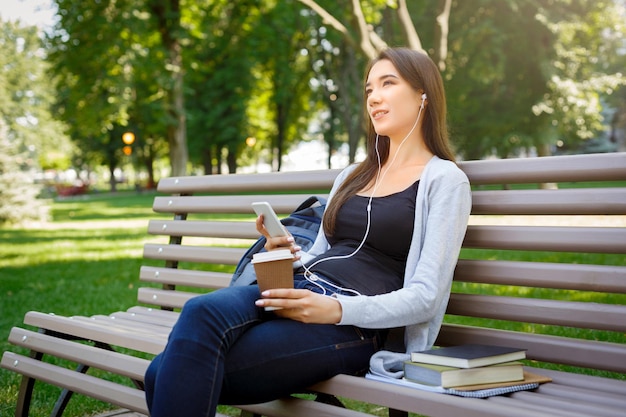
x: 199, y: 279
x: 157, y: 313
x: 124, y: 324
x: 235, y: 230
x: 569, y: 168
x: 145, y: 318
x: 164, y: 298
x: 578, y: 405
x: 548, y: 238
x: 601, y: 278
x: 518, y: 202
x: 119, y: 363
x: 566, y: 201
x: 168, y: 317
x: 532, y: 310
x: 603, y: 385
x: 120, y: 395
x: 237, y: 204
x: 122, y: 327
x: 242, y: 183
x: 587, y: 394
x: 219, y: 255
x: 91, y: 330
x: 531, y: 407
x: 545, y: 348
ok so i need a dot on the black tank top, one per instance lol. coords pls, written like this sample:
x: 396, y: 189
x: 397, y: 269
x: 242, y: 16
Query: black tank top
x: 378, y: 267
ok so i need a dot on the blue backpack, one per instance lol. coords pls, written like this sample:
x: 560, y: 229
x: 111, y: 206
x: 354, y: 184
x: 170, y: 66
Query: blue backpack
x: 303, y: 224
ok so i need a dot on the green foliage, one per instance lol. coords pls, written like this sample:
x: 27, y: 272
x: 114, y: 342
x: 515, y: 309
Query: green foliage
x: 584, y: 72
x: 289, y: 71
x: 110, y: 79
x: 338, y: 86
x: 494, y: 76
x: 26, y: 98
x: 221, y: 83
x: 521, y: 76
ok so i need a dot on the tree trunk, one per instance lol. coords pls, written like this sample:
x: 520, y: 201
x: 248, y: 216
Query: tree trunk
x: 279, y: 141
x: 167, y: 15
x: 207, y: 160
x: 352, y: 112
x: 112, y: 179
x: 443, y: 28
x: 149, y: 164
x: 412, y: 38
x: 543, y: 149
x: 177, y: 137
x: 231, y: 161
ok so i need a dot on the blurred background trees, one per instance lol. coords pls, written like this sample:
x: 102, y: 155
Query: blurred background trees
x: 215, y: 86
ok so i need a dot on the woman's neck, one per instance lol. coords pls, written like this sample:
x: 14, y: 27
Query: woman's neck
x: 412, y: 151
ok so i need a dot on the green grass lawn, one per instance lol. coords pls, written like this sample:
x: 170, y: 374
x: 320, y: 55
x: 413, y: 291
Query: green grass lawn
x: 86, y: 261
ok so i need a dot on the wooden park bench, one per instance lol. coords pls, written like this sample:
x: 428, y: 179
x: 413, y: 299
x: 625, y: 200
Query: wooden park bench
x: 569, y: 315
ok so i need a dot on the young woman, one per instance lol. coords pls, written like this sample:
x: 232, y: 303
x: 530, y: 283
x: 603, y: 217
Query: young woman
x: 384, y: 258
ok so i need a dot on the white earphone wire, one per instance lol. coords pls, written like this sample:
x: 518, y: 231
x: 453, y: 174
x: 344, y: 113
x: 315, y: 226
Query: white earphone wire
x: 310, y: 276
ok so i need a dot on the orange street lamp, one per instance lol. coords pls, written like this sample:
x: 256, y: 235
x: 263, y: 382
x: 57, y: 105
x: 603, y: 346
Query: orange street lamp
x: 127, y: 150
x: 251, y: 141
x: 128, y: 138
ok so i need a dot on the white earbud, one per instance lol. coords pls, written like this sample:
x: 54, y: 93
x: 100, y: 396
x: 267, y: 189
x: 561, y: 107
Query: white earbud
x: 423, y: 99
x: 423, y: 96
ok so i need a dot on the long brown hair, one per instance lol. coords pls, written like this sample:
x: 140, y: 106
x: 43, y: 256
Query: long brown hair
x: 423, y: 75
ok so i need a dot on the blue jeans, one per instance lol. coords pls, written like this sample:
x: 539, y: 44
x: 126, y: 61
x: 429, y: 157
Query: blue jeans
x: 225, y: 350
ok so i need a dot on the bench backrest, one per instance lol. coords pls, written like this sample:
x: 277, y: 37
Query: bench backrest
x: 541, y: 268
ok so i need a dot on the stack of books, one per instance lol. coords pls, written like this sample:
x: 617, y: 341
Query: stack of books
x: 466, y: 365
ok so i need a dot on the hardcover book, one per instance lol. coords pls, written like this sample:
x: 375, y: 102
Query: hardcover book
x: 448, y: 376
x: 469, y: 355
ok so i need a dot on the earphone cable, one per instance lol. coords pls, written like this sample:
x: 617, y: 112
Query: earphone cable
x: 310, y: 276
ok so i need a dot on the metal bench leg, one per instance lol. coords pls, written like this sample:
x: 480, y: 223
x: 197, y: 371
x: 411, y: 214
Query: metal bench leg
x: 397, y: 413
x: 26, y: 391
x: 66, y: 395
x: 329, y: 399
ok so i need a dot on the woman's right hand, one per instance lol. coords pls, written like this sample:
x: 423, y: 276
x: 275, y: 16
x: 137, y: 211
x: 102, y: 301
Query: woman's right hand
x: 281, y: 242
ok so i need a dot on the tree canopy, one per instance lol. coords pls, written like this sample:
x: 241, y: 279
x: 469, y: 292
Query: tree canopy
x: 213, y: 83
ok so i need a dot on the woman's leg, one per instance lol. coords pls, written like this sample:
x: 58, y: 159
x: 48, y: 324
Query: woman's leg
x: 186, y: 378
x: 279, y: 357
x: 222, y: 337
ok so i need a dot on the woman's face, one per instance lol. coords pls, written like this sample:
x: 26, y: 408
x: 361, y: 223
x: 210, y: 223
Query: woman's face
x: 392, y: 103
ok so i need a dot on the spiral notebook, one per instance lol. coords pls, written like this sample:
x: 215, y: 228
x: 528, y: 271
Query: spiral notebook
x: 531, y: 381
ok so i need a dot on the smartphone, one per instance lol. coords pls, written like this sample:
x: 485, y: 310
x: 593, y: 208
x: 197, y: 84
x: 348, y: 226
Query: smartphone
x: 270, y: 220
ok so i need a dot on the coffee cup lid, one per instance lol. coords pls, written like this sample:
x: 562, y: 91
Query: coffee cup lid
x: 274, y: 255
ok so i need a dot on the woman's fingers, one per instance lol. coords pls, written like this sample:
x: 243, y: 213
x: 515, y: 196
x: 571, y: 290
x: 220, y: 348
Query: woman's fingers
x: 302, y: 305
x: 281, y: 242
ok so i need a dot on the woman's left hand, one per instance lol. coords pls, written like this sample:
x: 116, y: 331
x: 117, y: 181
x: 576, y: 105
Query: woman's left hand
x: 302, y: 305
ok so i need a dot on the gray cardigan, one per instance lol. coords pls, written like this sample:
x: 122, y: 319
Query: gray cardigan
x: 442, y: 211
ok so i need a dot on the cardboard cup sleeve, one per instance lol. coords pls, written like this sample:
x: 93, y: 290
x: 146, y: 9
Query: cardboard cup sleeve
x: 274, y: 269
